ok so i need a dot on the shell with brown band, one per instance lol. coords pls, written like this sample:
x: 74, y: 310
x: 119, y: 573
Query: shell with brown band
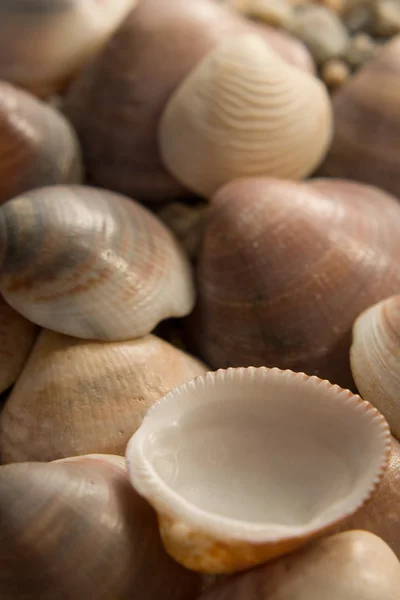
x: 90, y: 263
x: 285, y: 269
x: 76, y: 529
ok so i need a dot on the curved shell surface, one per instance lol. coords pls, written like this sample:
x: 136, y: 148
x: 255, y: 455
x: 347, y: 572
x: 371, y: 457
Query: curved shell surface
x: 116, y: 111
x: 375, y: 358
x: 90, y: 263
x: 37, y: 145
x: 76, y: 529
x: 223, y: 460
x: 76, y: 397
x: 44, y: 42
x: 242, y: 112
x: 355, y: 564
x: 366, y: 144
x: 292, y: 265
x: 17, y: 336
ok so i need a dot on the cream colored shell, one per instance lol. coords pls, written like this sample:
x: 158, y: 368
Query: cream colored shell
x: 245, y: 465
x: 243, y: 111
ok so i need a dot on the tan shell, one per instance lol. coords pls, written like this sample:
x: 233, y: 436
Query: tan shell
x: 117, y: 103
x: 355, y: 565
x: 44, y: 42
x: 79, y: 397
x: 17, y: 336
x: 242, y: 112
x: 375, y: 358
x: 116, y: 277
x: 292, y: 265
x: 37, y: 145
x: 245, y: 465
x: 76, y: 529
x: 366, y: 145
x: 381, y: 514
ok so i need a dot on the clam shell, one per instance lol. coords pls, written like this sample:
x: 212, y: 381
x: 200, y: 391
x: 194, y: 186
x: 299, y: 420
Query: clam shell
x: 242, y: 112
x: 292, y: 265
x: 17, y: 336
x: 45, y: 42
x: 37, y: 145
x: 92, y: 264
x: 117, y: 102
x: 77, y: 397
x: 355, y: 565
x: 76, y: 529
x: 375, y: 358
x: 245, y: 465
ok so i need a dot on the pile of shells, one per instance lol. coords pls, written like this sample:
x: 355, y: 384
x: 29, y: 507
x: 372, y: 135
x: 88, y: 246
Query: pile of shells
x: 199, y: 299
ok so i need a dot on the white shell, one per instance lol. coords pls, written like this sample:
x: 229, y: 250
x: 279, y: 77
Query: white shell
x: 247, y: 464
x: 244, y: 111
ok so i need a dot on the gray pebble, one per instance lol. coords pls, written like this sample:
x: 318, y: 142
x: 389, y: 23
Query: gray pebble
x: 361, y: 49
x: 360, y: 18
x: 387, y: 17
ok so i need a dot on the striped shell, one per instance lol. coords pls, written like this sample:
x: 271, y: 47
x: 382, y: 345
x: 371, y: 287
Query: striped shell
x: 45, y: 42
x: 243, y: 111
x: 375, y: 358
x: 91, y: 264
x: 37, y: 145
x: 245, y: 465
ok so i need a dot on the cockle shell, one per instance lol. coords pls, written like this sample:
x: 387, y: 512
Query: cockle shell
x: 243, y: 111
x: 37, y: 145
x: 75, y: 529
x: 292, y: 265
x: 366, y: 144
x: 45, y: 42
x: 355, y: 565
x: 117, y: 102
x: 375, y: 358
x: 90, y: 263
x: 245, y: 465
x: 78, y: 397
x: 17, y: 336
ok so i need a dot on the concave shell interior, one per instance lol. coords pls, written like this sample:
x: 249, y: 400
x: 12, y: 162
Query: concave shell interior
x: 255, y: 457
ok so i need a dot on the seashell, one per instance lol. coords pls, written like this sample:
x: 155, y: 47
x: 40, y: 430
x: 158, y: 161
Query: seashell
x: 97, y: 402
x: 243, y: 112
x: 103, y: 282
x: 224, y: 460
x: 375, y: 358
x: 75, y: 529
x: 366, y: 140
x: 381, y: 515
x: 17, y: 336
x: 37, y: 145
x: 45, y: 42
x: 355, y: 565
x: 292, y: 265
x: 116, y: 110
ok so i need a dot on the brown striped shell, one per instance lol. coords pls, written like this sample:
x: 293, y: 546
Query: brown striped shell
x: 90, y: 263
x: 45, y: 42
x: 79, y: 397
x: 285, y: 269
x: 243, y: 112
x: 75, y: 529
x: 117, y: 102
x: 37, y: 145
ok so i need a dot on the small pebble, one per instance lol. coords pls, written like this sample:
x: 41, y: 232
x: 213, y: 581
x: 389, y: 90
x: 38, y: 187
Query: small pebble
x: 361, y: 49
x: 337, y: 6
x: 387, y: 17
x: 321, y: 30
x: 360, y: 18
x: 277, y: 13
x: 335, y: 73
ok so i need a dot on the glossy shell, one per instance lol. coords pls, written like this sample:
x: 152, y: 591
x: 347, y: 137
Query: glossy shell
x: 90, y: 263
x: 375, y: 358
x: 76, y: 397
x: 76, y: 529
x: 224, y: 460
x: 292, y: 265
x: 242, y: 112
x: 37, y: 145
x: 44, y: 42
